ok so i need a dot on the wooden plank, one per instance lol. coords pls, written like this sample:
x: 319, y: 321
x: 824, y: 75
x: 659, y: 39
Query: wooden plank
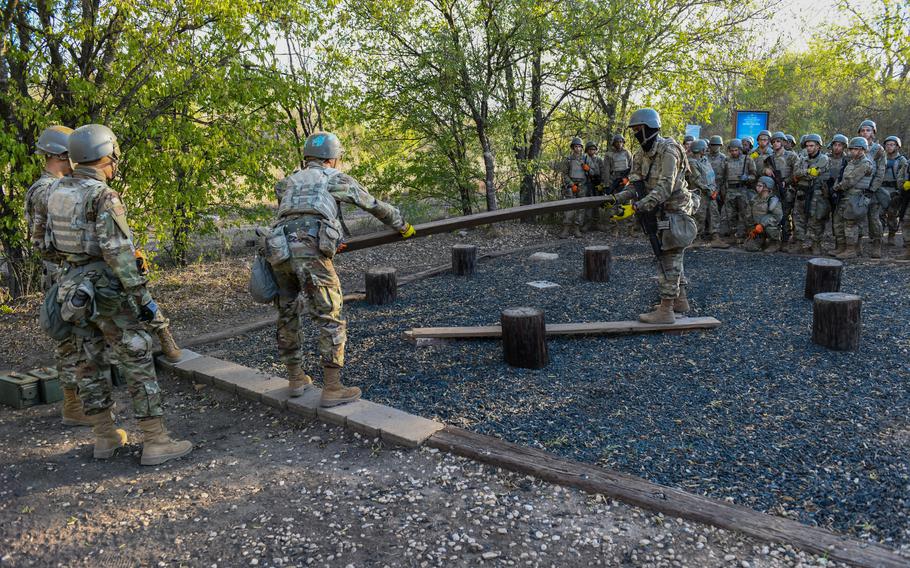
x: 486, y: 218
x: 589, y: 328
x: 660, y: 498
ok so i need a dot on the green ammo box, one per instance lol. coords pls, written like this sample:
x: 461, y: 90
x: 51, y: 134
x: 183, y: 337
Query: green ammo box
x: 18, y: 390
x: 48, y: 385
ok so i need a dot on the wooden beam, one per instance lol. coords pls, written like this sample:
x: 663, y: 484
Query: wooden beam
x: 590, y: 328
x: 486, y: 218
x: 667, y: 500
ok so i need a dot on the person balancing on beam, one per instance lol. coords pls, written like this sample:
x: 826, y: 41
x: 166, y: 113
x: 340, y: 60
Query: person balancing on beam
x: 664, y: 206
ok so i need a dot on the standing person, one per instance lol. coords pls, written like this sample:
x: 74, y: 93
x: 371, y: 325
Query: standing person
x: 688, y: 140
x: 879, y: 198
x: 101, y: 290
x: 658, y: 190
x: 304, y: 239
x: 892, y: 182
x: 617, y: 163
x: 811, y: 207
x: 790, y: 142
x: 573, y: 178
x: 748, y: 144
x: 853, y: 201
x: 780, y: 165
x: 761, y: 152
x: 715, y: 157
x: 765, y: 213
x: 837, y: 161
x: 593, y: 167
x: 702, y: 179
x: 737, y: 176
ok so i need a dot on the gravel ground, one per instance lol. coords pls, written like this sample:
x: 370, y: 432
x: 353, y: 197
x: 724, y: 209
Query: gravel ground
x: 752, y: 412
x: 265, y: 488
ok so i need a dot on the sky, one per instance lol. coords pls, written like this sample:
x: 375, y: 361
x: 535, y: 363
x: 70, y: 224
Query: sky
x: 797, y: 20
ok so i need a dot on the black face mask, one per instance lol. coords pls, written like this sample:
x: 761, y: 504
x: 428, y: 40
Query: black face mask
x: 646, y: 137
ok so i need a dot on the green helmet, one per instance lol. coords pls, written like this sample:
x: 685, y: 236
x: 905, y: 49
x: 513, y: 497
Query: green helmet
x: 791, y: 139
x: 735, y: 143
x: 764, y: 133
x: 894, y: 139
x: 618, y: 138
x: 699, y: 146
x: 778, y: 136
x: 54, y: 141
x: 646, y: 116
x: 859, y: 142
x: 576, y: 142
x: 590, y: 145
x: 716, y: 141
x: 323, y: 145
x: 802, y: 140
x: 811, y: 138
x: 869, y: 123
x: 840, y: 138
x: 92, y: 142
x: 767, y: 182
x: 749, y: 139
x: 688, y: 138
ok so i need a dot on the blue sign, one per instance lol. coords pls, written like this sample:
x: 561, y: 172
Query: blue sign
x: 693, y: 130
x: 750, y: 123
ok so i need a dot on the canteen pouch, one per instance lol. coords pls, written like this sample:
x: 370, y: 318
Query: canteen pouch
x: 857, y: 207
x: 679, y: 233
x: 50, y: 318
x: 263, y: 287
x: 329, y: 238
x: 78, y: 303
x: 883, y: 196
x: 276, y: 246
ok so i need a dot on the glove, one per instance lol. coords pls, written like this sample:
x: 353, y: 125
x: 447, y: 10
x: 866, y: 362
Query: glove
x: 609, y: 201
x: 753, y: 155
x: 625, y: 182
x: 813, y: 172
x: 341, y: 247
x: 148, y: 311
x: 756, y: 231
x: 623, y: 212
x: 142, y: 262
x: 574, y: 188
x: 586, y: 167
x: 907, y: 185
x: 714, y: 195
x: 407, y: 231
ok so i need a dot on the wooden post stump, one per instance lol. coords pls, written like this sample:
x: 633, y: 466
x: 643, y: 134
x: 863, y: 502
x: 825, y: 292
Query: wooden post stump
x: 464, y: 260
x: 381, y: 285
x: 524, y: 338
x: 598, y: 262
x: 822, y: 275
x: 837, y: 320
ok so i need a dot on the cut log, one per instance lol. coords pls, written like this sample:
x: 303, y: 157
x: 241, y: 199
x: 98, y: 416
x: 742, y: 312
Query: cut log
x: 837, y: 320
x: 497, y: 216
x: 524, y: 338
x: 598, y: 262
x: 381, y: 285
x: 589, y: 328
x: 823, y: 275
x: 464, y: 260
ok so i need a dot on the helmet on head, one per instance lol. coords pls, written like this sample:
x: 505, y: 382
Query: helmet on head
x: 767, y: 182
x: 590, y: 145
x: 699, y: 146
x: 894, y: 139
x: 802, y: 140
x: 869, y: 123
x: 811, y: 138
x: 764, y: 133
x: 791, y: 139
x: 859, y: 142
x: 645, y: 116
x: 840, y: 138
x: 618, y: 138
x: 92, y: 142
x: 324, y: 145
x: 54, y: 141
x: 576, y: 142
x: 688, y: 138
x: 778, y: 136
x: 735, y: 143
x: 716, y: 141
x: 749, y: 139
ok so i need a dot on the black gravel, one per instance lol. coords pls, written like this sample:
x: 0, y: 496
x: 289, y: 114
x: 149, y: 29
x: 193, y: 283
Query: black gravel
x: 752, y: 412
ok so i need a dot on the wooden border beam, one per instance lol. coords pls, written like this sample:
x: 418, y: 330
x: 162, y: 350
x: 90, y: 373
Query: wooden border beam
x: 590, y: 328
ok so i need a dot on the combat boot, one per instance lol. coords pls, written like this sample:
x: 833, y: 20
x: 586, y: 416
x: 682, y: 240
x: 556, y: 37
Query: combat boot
x: 839, y: 247
x: 752, y: 245
x: 333, y: 392
x: 876, y: 248
x: 848, y: 252
x: 717, y: 242
x: 107, y: 438
x: 681, y: 303
x: 157, y: 446
x: 298, y: 381
x: 890, y: 241
x: 168, y: 346
x: 565, y: 234
x: 773, y: 246
x: 793, y: 247
x: 661, y: 314
x: 73, y: 414
x: 576, y: 232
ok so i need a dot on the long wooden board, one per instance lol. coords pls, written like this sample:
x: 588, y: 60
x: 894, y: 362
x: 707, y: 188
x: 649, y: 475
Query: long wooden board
x: 486, y: 218
x: 589, y: 328
x: 667, y: 500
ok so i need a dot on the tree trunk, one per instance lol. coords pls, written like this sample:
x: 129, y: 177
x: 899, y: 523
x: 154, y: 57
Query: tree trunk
x: 823, y: 275
x: 837, y: 321
x: 598, y: 261
x: 381, y: 285
x: 524, y: 338
x: 464, y: 260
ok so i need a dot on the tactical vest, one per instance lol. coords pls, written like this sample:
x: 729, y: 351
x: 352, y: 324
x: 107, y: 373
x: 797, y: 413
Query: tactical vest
x: 71, y: 216
x: 892, y: 169
x: 717, y: 162
x: 735, y: 169
x: 806, y: 181
x: 866, y: 182
x: 781, y: 164
x: 308, y: 194
x: 575, y: 171
x: 620, y: 161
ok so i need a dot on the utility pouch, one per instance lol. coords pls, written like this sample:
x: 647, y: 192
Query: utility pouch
x: 883, y: 196
x: 50, y: 318
x: 329, y: 238
x: 857, y: 207
x: 680, y: 231
x: 263, y: 287
x: 79, y: 302
x: 276, y: 246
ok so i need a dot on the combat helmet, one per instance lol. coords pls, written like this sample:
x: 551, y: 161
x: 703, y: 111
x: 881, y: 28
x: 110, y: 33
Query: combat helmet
x: 699, y: 146
x: 791, y: 139
x: 92, y: 142
x: 764, y: 133
x: 839, y: 138
x: 646, y: 116
x: 811, y: 138
x: 735, y: 143
x: 749, y: 139
x: 767, y: 182
x: 688, y: 138
x: 591, y: 144
x: 54, y: 141
x: 858, y: 142
x: 716, y: 141
x: 869, y: 123
x: 894, y: 139
x: 618, y: 138
x: 778, y: 136
x: 322, y: 145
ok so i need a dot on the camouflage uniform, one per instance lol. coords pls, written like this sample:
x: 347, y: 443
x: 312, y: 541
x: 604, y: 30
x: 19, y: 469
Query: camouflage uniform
x: 702, y: 179
x: 836, y: 165
x: 617, y: 165
x: 574, y: 181
x: 767, y: 212
x: 784, y: 163
x: 87, y: 225
x: 593, y: 186
x: 758, y: 157
x: 309, y: 199
x: 853, y: 186
x: 811, y: 207
x: 879, y: 159
x: 895, y: 174
x: 663, y: 170
x: 737, y: 176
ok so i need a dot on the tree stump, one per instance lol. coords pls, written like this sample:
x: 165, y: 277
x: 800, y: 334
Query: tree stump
x: 598, y: 261
x: 381, y: 285
x: 822, y: 275
x: 837, y: 320
x: 524, y: 338
x: 464, y: 260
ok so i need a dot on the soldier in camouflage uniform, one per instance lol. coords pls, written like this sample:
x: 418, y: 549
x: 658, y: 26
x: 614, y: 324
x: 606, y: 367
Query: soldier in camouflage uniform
x: 617, y: 164
x: 105, y: 296
x: 737, y: 176
x: 811, y: 208
x: 748, y: 145
x: 837, y: 161
x: 880, y: 199
x: 789, y: 142
x: 765, y: 213
x: 715, y: 157
x: 304, y: 239
x: 688, y: 140
x: 658, y: 185
x: 572, y: 176
x: 701, y: 179
x: 853, y: 197
x: 780, y: 165
x: 760, y: 153
x: 895, y: 172
x: 593, y: 167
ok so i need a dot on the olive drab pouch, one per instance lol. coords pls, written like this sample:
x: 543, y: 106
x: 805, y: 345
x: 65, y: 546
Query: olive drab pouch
x: 78, y: 303
x: 329, y: 238
x: 263, y: 287
x: 883, y: 196
x: 857, y: 207
x: 276, y: 246
x: 680, y: 233
x: 50, y: 318
x: 109, y: 295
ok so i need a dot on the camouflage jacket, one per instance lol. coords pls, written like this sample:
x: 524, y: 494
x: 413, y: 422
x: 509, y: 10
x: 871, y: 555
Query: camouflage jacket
x: 766, y: 211
x: 801, y: 175
x: 879, y: 159
x: 702, y: 176
x: 617, y: 164
x: 734, y: 170
x: 758, y: 157
x: 36, y: 211
x: 664, y: 171
x: 717, y: 163
x: 783, y: 163
x: 895, y: 171
x: 857, y: 176
x: 571, y: 171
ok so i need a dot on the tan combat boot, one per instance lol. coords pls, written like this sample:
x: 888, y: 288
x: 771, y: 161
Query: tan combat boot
x: 157, y: 446
x: 839, y: 247
x: 681, y: 303
x: 565, y: 233
x: 661, y: 314
x: 298, y: 381
x: 876, y: 249
x: 576, y: 232
x: 107, y: 438
x: 717, y: 242
x: 333, y: 392
x: 848, y: 252
x: 73, y: 415
x: 168, y: 346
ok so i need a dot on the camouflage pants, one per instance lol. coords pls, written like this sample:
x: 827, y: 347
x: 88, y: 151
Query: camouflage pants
x: 905, y: 227
x: 800, y: 220
x: 707, y: 218
x: 574, y: 216
x: 787, y: 202
x: 819, y: 213
x: 736, y: 210
x: 670, y: 273
x: 68, y: 354
x: 892, y: 213
x: 309, y: 284
x: 873, y: 223
x: 849, y: 230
